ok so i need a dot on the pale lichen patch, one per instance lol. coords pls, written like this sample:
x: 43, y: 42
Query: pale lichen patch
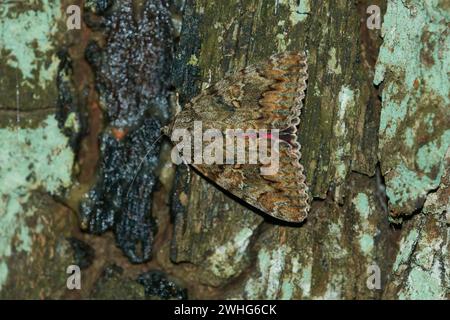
x: 299, y: 10
x: 297, y: 283
x: 27, y: 36
x: 423, y: 285
x: 193, y: 60
x: 406, y: 248
x: 341, y: 143
x: 270, y: 266
x: 36, y: 158
x: 414, y: 63
x: 365, y: 229
x: 334, y: 288
x: 333, y: 65
x: 226, y: 259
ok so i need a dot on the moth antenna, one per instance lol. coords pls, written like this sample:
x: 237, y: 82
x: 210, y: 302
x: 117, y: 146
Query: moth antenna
x: 142, y: 161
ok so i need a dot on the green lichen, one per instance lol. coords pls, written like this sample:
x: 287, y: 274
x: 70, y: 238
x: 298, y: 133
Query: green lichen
x: 306, y: 280
x: 346, y: 101
x: 282, y: 44
x: 422, y: 261
x: 30, y: 159
x: 72, y: 122
x: 403, y: 27
x: 27, y: 37
x: 333, y: 64
x: 429, y: 122
x: 335, y: 233
x: 226, y: 259
x: 361, y: 203
x: 366, y: 231
x: 299, y: 10
x: 423, y: 285
x: 405, y: 249
x: 334, y: 288
x: 366, y: 243
x: 392, y: 114
x: 270, y: 266
x: 408, y: 185
x: 193, y: 60
x: 3, y: 273
x: 299, y: 277
x: 414, y: 63
x: 410, y: 137
x: 431, y: 155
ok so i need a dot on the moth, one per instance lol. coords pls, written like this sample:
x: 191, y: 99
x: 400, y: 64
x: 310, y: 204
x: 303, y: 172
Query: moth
x: 268, y: 96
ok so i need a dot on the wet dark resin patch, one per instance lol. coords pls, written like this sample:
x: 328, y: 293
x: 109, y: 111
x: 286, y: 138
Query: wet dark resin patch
x: 83, y: 253
x: 118, y: 204
x: 133, y: 68
x: 132, y: 77
x: 157, y: 285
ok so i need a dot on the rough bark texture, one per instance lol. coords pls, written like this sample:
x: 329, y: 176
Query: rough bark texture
x: 336, y: 133
x: 374, y: 133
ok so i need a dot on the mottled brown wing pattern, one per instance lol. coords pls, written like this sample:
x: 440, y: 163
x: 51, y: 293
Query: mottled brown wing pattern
x: 283, y: 196
x: 265, y: 96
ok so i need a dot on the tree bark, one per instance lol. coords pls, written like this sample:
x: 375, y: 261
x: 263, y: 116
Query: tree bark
x: 375, y: 143
x: 348, y: 227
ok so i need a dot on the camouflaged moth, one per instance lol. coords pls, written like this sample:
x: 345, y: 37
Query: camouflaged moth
x: 263, y: 96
